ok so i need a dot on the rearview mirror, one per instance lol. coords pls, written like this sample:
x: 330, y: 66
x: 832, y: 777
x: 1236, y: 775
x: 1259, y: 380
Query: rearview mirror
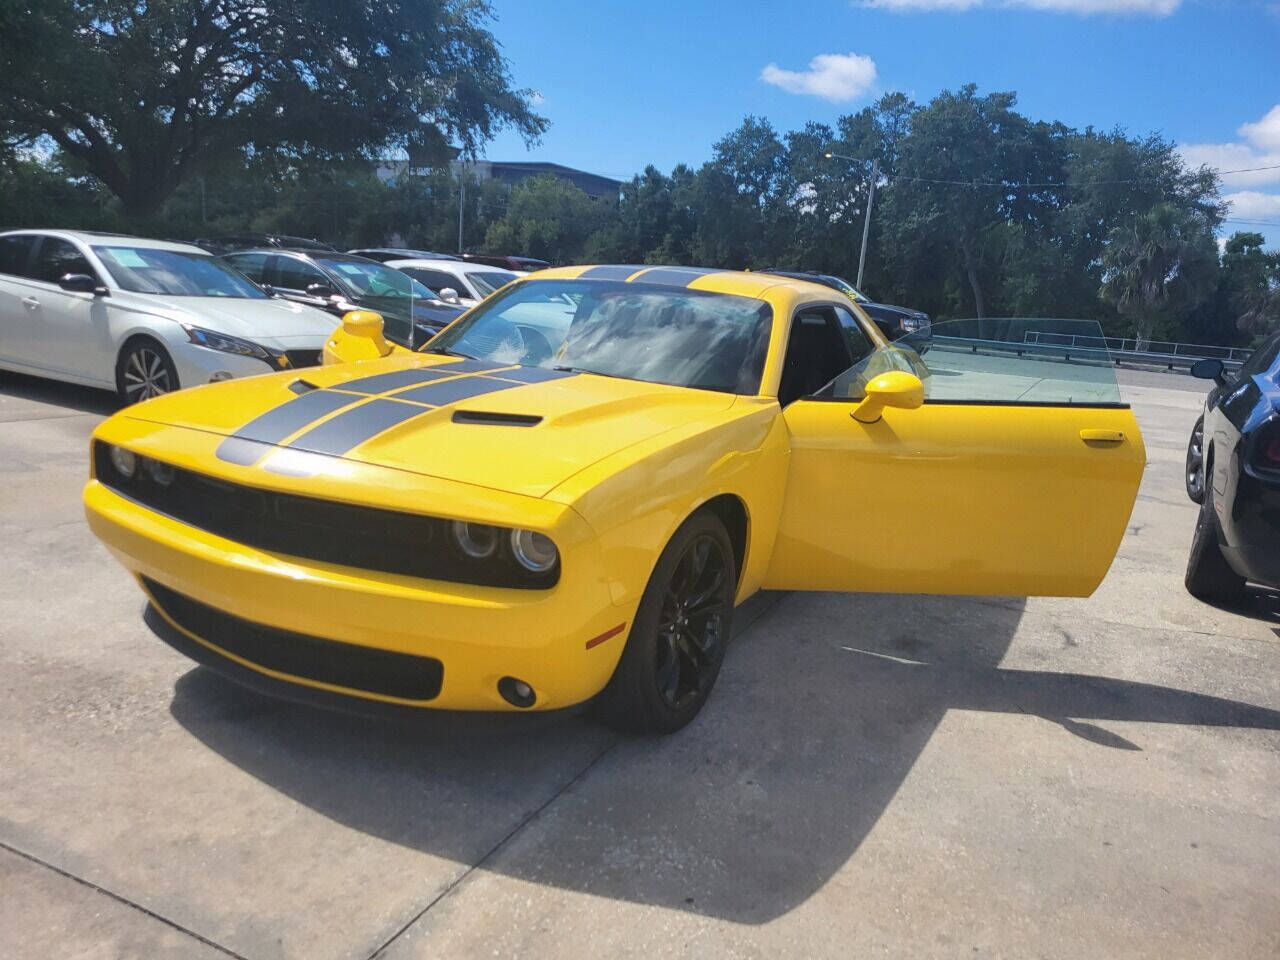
x: 357, y: 337
x: 893, y: 389
x: 1209, y: 369
x: 82, y: 283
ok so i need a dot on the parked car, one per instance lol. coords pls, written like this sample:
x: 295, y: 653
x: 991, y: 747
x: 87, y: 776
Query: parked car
x: 339, y: 282
x: 524, y: 264
x: 896, y: 323
x: 384, y: 254
x: 141, y: 317
x: 455, y: 281
x: 470, y: 527
x: 245, y: 241
x: 1233, y: 472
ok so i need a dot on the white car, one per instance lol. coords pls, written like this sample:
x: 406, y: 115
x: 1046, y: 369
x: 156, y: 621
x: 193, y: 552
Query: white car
x: 469, y: 282
x: 142, y: 317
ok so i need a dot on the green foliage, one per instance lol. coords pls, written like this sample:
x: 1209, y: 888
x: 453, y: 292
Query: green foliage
x: 142, y: 96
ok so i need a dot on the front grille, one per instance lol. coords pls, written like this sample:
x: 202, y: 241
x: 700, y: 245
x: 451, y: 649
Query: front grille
x: 310, y: 528
x: 303, y: 358
x: 362, y: 669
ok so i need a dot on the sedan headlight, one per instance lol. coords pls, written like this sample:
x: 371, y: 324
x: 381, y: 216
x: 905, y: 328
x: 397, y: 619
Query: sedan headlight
x: 227, y: 344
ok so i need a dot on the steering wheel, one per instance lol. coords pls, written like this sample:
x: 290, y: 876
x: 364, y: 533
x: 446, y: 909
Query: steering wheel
x: 537, y: 346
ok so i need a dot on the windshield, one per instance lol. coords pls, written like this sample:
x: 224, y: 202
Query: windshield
x: 175, y: 273
x: 490, y: 281
x: 686, y: 338
x: 370, y: 279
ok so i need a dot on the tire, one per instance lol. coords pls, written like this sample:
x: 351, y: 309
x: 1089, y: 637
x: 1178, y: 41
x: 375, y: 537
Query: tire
x: 144, y: 370
x: 1209, y: 576
x: 1194, y: 473
x: 673, y: 655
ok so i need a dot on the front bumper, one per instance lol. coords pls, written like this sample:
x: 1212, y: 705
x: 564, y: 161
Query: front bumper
x: 478, y: 635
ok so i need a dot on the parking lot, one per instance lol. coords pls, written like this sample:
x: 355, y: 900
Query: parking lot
x: 874, y: 775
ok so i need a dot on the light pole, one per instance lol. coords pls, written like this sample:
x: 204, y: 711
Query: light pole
x: 871, y: 199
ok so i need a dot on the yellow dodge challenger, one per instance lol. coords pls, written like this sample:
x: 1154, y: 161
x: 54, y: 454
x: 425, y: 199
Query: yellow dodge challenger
x: 564, y: 496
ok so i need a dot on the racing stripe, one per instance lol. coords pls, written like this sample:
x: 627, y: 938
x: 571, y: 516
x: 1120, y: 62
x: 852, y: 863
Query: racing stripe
x: 533, y: 374
x: 673, y: 276
x: 280, y: 422
x: 358, y: 425
x: 451, y: 391
x: 382, y: 382
x: 610, y: 272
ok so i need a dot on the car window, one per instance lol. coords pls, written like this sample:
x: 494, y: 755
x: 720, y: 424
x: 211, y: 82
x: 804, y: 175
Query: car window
x: 375, y: 280
x: 252, y: 265
x: 435, y: 280
x: 1261, y: 359
x: 490, y: 281
x: 174, y: 273
x: 296, y: 275
x: 15, y: 254
x: 57, y: 257
x: 818, y: 350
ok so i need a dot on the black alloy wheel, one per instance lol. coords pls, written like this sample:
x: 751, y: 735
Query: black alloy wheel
x: 144, y: 370
x: 1195, y: 463
x: 681, y: 631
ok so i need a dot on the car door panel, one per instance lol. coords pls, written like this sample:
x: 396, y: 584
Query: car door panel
x: 994, y: 499
x: 18, y: 298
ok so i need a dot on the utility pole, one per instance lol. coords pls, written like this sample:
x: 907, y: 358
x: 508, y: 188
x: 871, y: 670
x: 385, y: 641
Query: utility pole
x: 462, y: 204
x: 871, y: 199
x: 866, y: 223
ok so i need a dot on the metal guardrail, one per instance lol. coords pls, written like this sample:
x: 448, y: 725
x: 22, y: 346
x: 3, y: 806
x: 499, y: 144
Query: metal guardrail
x: 1085, y: 349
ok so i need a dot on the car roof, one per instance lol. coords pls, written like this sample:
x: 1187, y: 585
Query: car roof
x: 96, y: 239
x: 457, y: 266
x: 737, y: 282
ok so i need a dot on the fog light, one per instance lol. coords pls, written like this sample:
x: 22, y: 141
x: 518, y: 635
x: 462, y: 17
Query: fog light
x: 161, y: 473
x: 516, y: 692
x: 126, y: 463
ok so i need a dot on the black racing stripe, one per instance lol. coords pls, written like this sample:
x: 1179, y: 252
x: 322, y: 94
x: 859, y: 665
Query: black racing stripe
x: 358, y: 425
x: 534, y: 374
x: 471, y: 366
x: 382, y: 382
x: 673, y: 276
x: 451, y: 391
x: 245, y: 453
x: 610, y: 272
x: 292, y: 415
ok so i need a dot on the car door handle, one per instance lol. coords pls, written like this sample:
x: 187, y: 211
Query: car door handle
x: 30, y: 302
x: 1102, y: 436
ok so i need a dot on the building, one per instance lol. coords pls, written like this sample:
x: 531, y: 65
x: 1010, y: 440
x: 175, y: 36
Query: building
x: 593, y: 185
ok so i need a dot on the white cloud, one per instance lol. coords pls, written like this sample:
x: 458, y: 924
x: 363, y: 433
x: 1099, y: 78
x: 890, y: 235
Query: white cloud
x: 1254, y: 205
x: 1258, y: 146
x: 1154, y: 8
x: 1266, y: 132
x: 832, y: 76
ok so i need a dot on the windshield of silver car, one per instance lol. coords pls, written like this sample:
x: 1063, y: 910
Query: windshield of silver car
x: 174, y: 273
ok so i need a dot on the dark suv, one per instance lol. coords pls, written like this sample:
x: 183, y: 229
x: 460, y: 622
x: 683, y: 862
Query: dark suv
x: 911, y: 327
x: 384, y: 254
x: 339, y: 282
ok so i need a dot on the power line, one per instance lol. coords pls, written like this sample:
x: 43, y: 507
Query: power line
x: 1259, y: 223
x: 1087, y: 183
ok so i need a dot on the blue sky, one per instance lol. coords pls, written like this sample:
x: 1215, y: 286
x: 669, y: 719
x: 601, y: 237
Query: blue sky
x: 626, y: 84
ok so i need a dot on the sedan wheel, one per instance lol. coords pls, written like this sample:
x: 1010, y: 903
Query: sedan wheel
x: 145, y: 371
x: 1195, y: 463
x: 678, y: 639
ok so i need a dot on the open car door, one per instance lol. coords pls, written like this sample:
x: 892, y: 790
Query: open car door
x: 1013, y: 474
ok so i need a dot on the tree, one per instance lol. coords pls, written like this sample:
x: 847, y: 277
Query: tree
x: 141, y: 95
x: 549, y: 219
x: 1249, y: 286
x: 1162, y: 264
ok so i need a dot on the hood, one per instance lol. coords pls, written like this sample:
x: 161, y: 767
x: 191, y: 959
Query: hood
x: 255, y: 320
x: 523, y: 430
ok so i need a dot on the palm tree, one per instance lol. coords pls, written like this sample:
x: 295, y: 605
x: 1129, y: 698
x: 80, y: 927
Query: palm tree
x: 1162, y: 260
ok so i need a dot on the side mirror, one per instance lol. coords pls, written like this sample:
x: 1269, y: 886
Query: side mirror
x: 1209, y: 369
x: 82, y: 283
x: 449, y: 295
x: 893, y: 389
x: 320, y: 290
x: 358, y: 337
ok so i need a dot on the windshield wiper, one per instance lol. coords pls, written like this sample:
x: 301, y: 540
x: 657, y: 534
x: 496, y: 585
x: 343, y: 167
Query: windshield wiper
x: 445, y: 351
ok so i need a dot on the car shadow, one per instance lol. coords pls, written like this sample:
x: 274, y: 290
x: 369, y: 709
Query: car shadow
x: 72, y: 396
x: 823, y: 707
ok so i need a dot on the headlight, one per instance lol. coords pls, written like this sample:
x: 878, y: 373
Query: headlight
x: 161, y: 473
x: 479, y: 541
x: 227, y: 344
x: 533, y: 551
x: 125, y: 462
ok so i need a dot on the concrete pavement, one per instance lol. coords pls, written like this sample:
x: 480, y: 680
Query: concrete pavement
x: 906, y: 776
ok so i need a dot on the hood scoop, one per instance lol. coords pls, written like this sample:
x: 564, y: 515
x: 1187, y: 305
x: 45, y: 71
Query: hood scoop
x: 492, y: 419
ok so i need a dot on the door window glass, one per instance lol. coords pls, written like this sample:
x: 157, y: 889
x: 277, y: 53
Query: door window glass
x: 57, y: 258
x: 434, y: 280
x: 1261, y: 359
x: 15, y: 254
x: 294, y: 274
x: 818, y: 349
x: 252, y: 265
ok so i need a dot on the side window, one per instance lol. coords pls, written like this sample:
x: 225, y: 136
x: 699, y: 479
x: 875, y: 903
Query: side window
x: 57, y: 257
x: 860, y: 345
x: 252, y: 265
x: 817, y: 351
x: 1260, y: 360
x: 292, y: 274
x: 434, y: 280
x: 15, y: 254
